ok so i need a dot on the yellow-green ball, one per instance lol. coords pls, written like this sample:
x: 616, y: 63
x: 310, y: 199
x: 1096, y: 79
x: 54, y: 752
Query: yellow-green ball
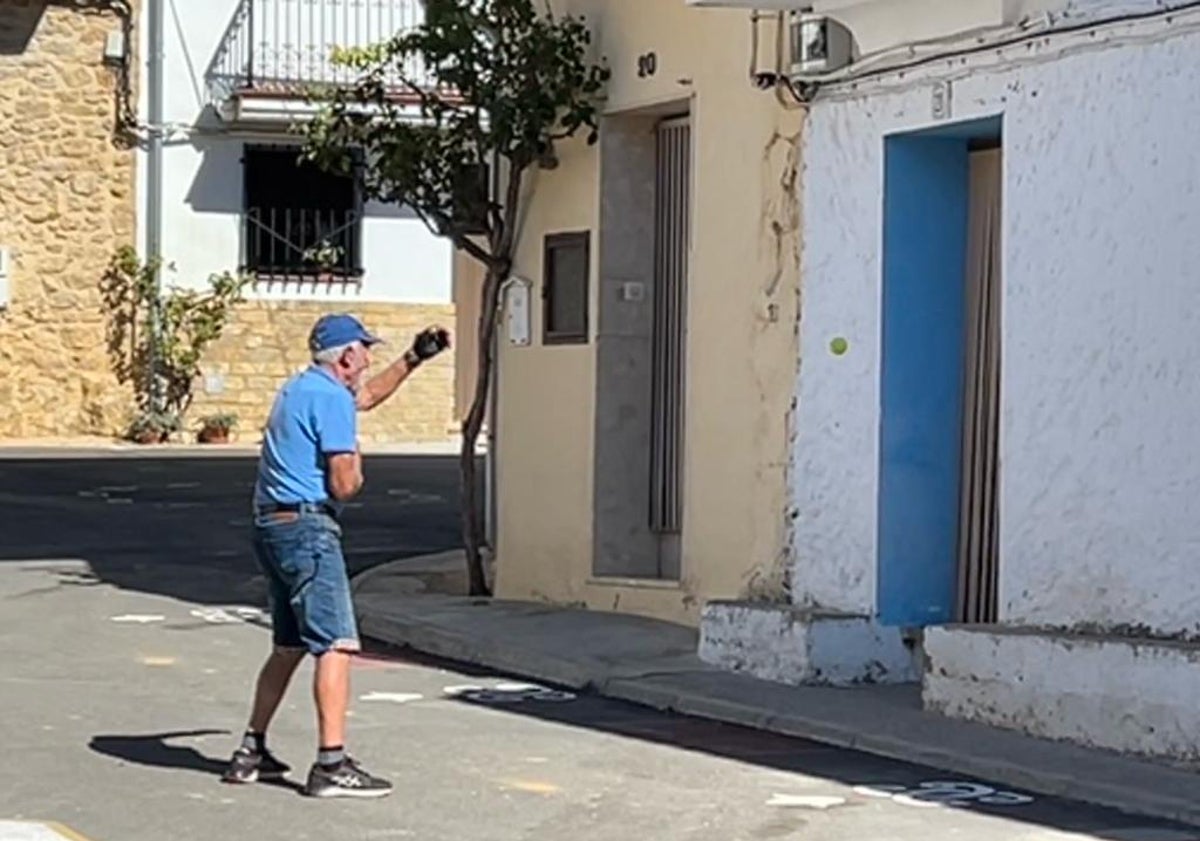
x: 839, y: 346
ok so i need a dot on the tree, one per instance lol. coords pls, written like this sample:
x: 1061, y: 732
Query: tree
x: 493, y: 85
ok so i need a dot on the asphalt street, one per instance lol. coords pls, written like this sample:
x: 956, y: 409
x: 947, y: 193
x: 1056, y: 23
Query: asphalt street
x: 132, y: 633
x: 180, y: 526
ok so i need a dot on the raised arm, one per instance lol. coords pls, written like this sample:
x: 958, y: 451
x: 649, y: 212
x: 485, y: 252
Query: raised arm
x: 428, y: 344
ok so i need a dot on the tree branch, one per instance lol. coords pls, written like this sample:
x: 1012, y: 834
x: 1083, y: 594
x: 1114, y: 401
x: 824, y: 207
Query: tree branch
x: 468, y: 245
x: 508, y: 232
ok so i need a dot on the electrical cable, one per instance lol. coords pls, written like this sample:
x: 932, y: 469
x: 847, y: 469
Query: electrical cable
x: 807, y: 90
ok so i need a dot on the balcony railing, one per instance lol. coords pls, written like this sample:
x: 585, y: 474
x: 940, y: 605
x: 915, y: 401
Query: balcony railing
x: 296, y: 244
x: 282, y: 46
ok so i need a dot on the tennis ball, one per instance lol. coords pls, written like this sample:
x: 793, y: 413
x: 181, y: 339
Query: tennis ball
x: 839, y: 346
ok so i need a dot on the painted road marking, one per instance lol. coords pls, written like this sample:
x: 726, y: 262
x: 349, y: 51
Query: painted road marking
x: 392, y: 697
x: 221, y: 616
x: 139, y: 618
x: 67, y: 832
x: 158, y: 661
x: 531, y: 786
x: 37, y: 831
x: 508, y: 693
x: 938, y: 794
x: 803, y: 801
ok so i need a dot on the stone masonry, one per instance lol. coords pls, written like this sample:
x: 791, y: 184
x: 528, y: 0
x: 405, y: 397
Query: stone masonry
x: 66, y: 204
x: 266, y: 342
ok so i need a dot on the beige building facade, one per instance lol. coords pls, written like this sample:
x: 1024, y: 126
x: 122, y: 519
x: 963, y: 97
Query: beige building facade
x: 67, y: 202
x: 642, y: 431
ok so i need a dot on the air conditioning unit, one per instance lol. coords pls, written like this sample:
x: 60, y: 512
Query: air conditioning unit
x: 819, y: 45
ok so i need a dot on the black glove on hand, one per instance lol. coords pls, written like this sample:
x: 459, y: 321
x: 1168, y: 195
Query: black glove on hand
x: 430, y: 342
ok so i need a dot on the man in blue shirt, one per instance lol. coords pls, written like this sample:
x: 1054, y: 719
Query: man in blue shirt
x: 310, y: 465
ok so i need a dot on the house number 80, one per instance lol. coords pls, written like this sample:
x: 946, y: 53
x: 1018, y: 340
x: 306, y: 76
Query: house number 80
x: 647, y: 65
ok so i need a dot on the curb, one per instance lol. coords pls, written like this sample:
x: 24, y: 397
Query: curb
x: 426, y: 637
x: 1067, y: 786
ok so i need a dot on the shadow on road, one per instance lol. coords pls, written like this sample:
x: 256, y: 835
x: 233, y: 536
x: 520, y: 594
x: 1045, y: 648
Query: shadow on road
x: 154, y: 750
x: 180, y: 526
x: 908, y: 786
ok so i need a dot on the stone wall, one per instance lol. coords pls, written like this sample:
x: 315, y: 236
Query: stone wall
x: 66, y: 204
x: 266, y: 342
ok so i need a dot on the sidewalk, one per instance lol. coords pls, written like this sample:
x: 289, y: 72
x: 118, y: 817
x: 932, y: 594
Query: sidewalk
x: 654, y: 663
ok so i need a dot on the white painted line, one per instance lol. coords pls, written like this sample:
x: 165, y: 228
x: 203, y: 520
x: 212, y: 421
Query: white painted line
x: 804, y: 801
x: 118, y: 501
x: 179, y: 486
x: 139, y: 619
x: 392, y: 697
x: 215, y: 615
x: 158, y: 661
x: 34, y: 831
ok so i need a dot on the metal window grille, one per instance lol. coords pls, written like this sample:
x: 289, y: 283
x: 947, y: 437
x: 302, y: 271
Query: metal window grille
x: 300, y: 223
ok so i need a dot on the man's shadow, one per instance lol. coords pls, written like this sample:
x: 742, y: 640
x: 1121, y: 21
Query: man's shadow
x: 153, y: 750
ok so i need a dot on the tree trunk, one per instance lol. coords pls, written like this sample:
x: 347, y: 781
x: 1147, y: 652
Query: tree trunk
x: 472, y: 502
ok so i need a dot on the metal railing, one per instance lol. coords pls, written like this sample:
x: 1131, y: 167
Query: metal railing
x: 286, y: 243
x: 284, y: 45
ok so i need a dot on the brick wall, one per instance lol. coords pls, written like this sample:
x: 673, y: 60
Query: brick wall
x: 66, y: 204
x: 266, y: 342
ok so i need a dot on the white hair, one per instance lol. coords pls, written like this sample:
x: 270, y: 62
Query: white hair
x: 331, y: 355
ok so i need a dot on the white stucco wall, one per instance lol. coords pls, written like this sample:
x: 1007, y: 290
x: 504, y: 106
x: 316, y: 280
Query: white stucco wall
x: 1136, y: 697
x: 202, y: 178
x: 883, y: 26
x: 797, y: 646
x: 1100, y: 488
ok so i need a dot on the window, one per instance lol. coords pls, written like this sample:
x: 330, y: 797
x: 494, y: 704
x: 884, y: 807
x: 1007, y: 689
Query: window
x: 565, y: 288
x: 301, y: 223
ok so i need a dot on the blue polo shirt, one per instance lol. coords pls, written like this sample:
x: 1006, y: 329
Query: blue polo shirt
x: 313, y: 416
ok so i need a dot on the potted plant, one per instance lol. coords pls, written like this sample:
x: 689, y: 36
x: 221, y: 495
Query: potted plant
x: 215, y: 429
x: 324, y: 256
x: 153, y: 427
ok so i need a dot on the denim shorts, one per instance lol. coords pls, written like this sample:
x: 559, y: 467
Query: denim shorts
x: 307, y: 584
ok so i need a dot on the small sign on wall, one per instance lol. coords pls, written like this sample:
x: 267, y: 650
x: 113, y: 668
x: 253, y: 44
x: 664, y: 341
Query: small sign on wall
x: 941, y: 101
x: 516, y: 310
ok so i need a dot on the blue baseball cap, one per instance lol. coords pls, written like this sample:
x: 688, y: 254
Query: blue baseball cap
x: 339, y: 329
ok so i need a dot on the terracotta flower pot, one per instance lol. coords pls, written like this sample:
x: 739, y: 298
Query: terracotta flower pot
x: 214, y: 435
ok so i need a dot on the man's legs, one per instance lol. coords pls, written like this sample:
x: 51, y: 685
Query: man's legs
x: 252, y: 761
x: 331, y: 691
x: 272, y: 683
x: 327, y: 625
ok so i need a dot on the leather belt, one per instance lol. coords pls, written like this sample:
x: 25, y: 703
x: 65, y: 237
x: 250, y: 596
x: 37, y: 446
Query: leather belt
x: 297, y: 508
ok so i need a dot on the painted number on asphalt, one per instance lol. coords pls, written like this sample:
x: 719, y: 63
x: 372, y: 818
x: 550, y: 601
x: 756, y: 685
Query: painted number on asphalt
x: 508, y: 693
x: 939, y: 793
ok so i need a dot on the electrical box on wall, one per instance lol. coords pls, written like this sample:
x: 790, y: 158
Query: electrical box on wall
x: 114, y: 47
x: 819, y: 44
x: 516, y: 310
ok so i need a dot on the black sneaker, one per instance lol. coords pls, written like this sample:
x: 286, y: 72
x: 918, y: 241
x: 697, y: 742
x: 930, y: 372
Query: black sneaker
x: 248, y: 766
x: 346, y: 780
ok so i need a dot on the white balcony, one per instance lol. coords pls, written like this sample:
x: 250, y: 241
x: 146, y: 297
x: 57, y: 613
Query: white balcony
x: 274, y: 50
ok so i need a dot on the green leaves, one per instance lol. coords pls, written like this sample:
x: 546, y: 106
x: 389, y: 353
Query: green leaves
x: 479, y: 82
x: 158, y: 337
